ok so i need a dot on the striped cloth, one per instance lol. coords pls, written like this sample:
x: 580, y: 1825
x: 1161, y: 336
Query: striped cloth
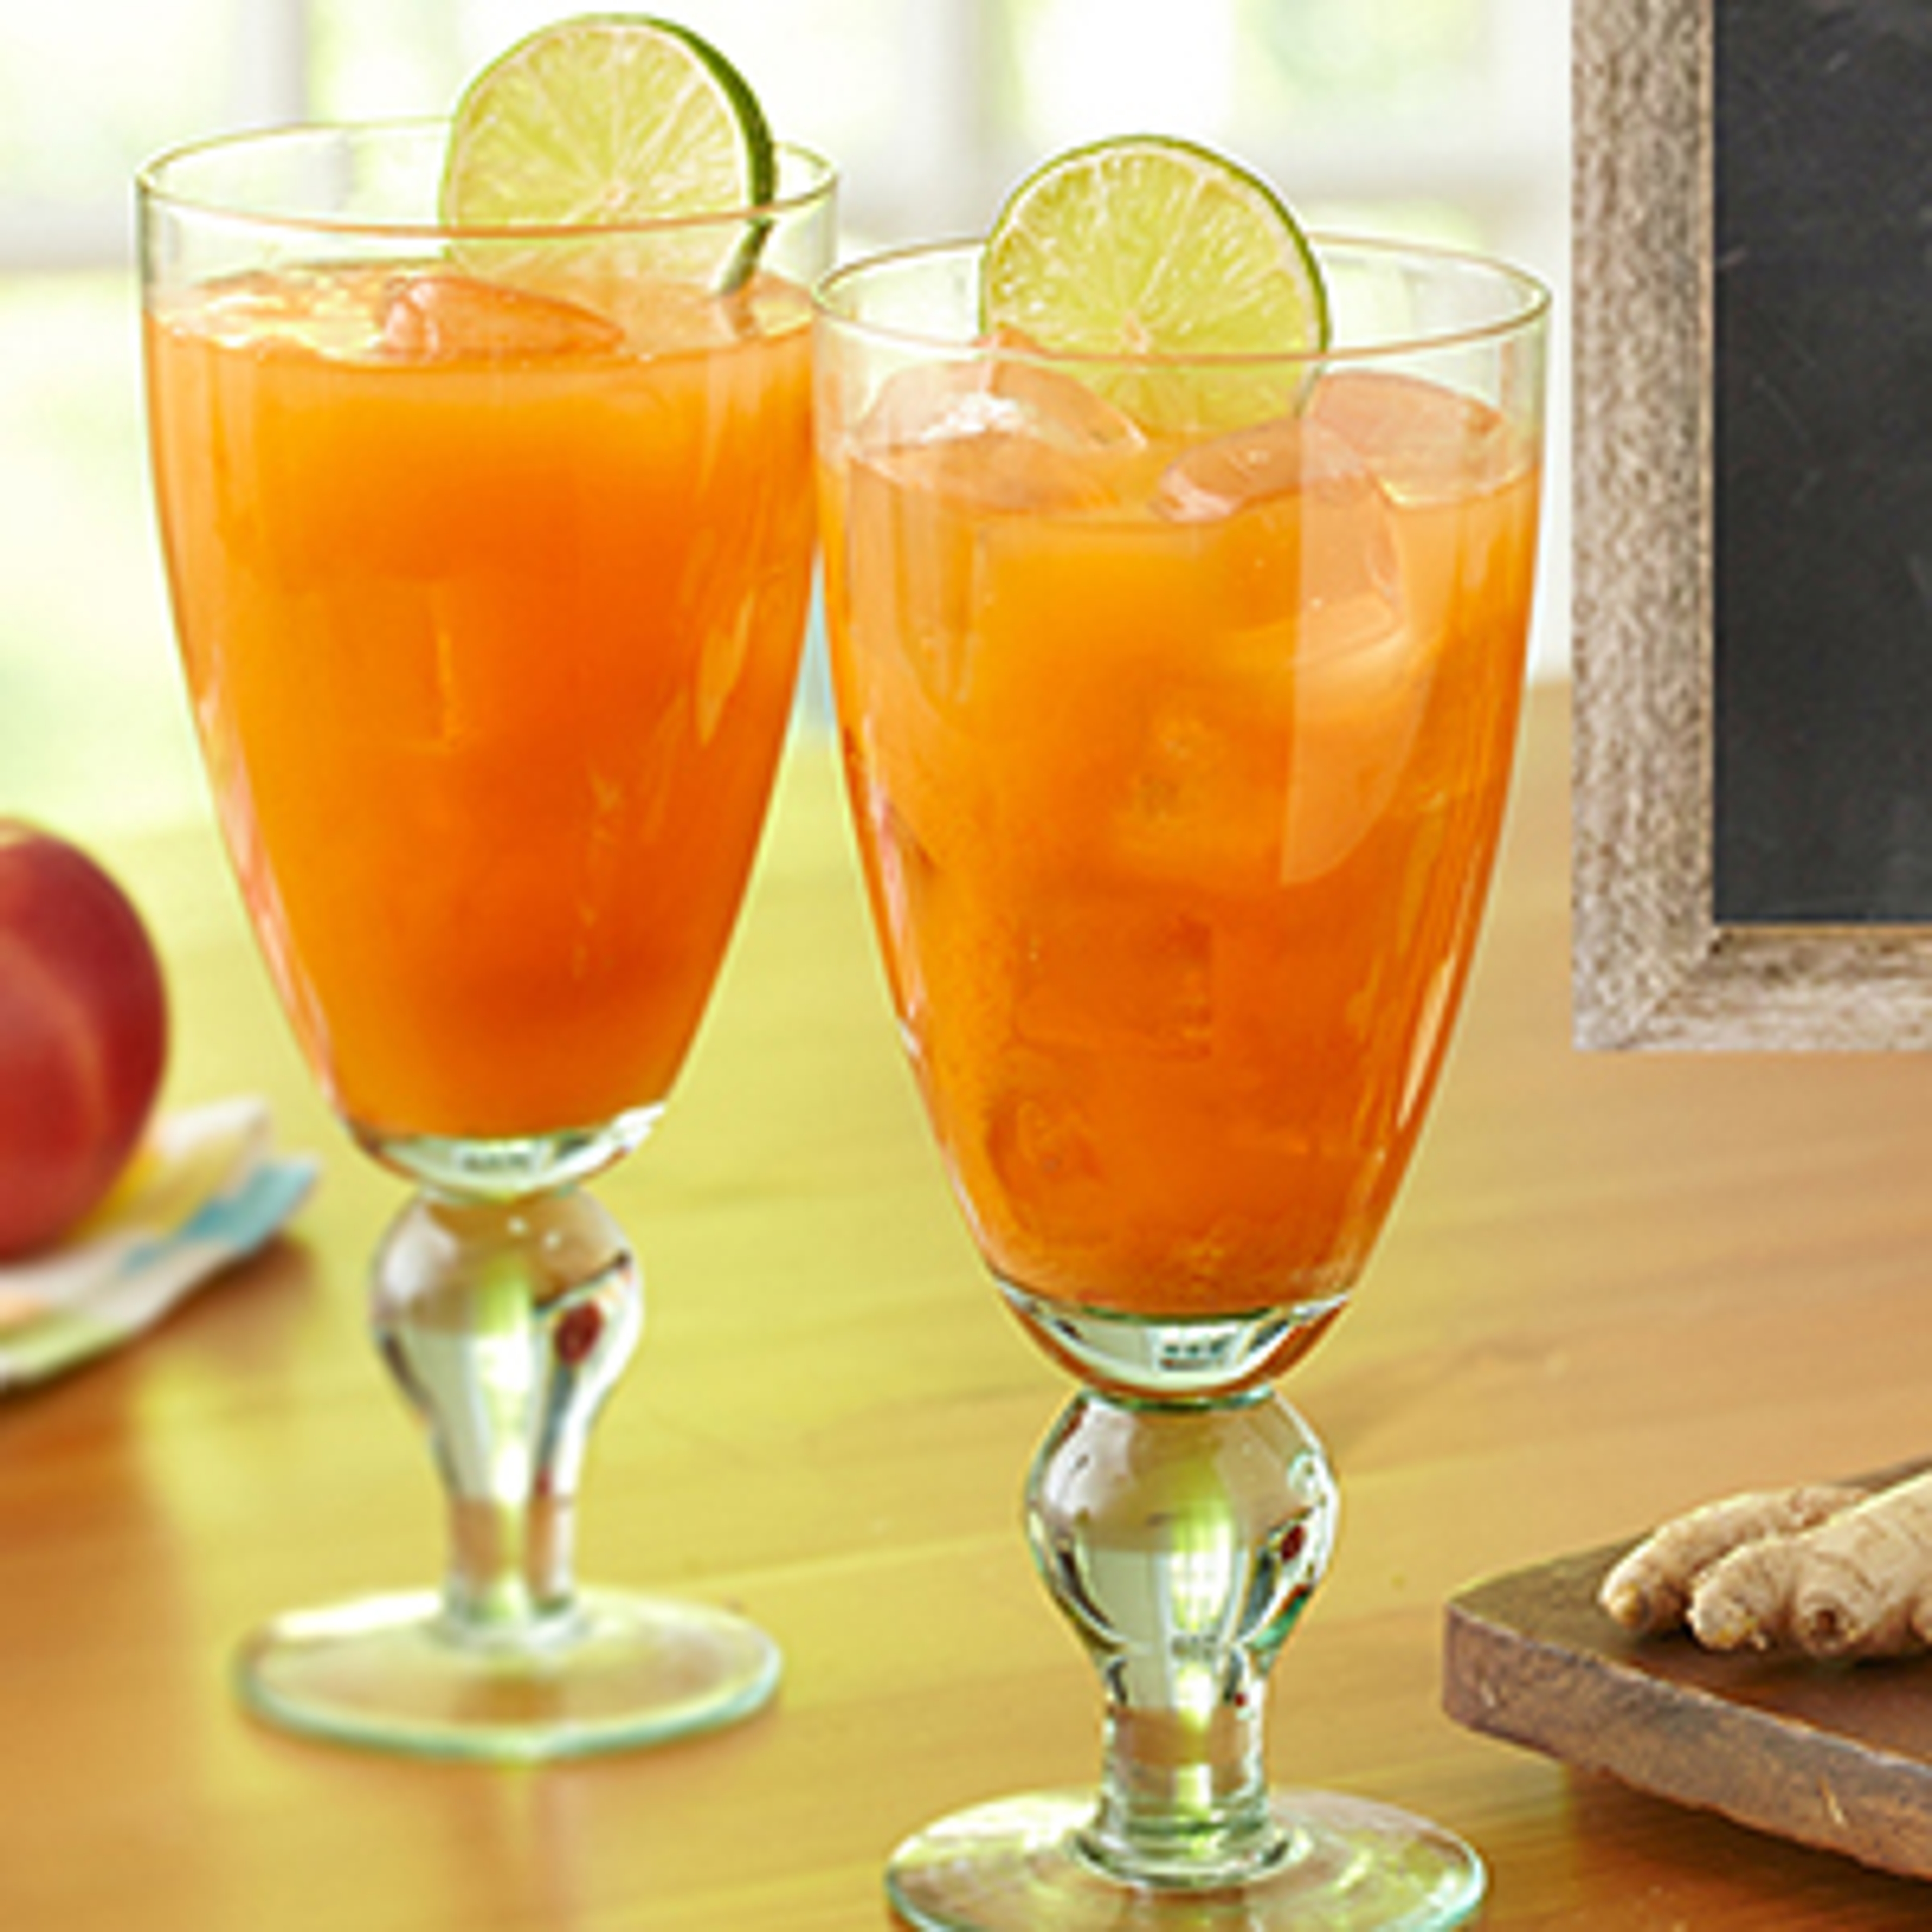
x: 205, y: 1190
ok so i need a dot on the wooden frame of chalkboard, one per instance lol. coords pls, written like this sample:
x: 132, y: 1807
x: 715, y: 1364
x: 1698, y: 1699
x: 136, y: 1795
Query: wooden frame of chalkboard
x: 1652, y: 964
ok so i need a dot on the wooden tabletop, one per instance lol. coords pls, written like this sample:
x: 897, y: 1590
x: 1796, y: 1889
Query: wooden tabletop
x: 1615, y: 1285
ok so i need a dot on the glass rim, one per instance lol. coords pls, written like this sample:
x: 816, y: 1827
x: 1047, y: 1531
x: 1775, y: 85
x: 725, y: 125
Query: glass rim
x: 1533, y: 303
x: 152, y: 183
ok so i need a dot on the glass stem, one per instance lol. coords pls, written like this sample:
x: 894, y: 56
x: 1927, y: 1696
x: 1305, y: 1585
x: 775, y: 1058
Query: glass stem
x: 1182, y: 1542
x: 507, y: 1324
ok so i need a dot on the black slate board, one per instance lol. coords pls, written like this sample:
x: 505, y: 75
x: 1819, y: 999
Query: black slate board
x: 1822, y: 468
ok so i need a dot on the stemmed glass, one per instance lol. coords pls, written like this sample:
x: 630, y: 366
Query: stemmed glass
x: 489, y: 553
x: 1177, y: 756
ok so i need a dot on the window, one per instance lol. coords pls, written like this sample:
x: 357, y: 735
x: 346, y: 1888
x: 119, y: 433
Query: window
x: 1444, y: 117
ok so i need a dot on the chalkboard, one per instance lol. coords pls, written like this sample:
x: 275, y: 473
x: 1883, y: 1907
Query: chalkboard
x: 1752, y: 326
x: 1822, y: 262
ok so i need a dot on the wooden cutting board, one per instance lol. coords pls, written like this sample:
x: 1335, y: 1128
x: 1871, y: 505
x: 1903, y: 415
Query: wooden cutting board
x: 1834, y: 1756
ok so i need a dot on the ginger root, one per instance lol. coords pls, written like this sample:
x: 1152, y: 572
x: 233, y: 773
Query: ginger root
x: 1651, y: 1590
x: 1828, y: 1570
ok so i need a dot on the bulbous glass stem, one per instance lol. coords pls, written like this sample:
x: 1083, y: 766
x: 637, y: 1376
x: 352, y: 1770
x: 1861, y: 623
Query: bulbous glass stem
x: 507, y: 1324
x: 1182, y: 1542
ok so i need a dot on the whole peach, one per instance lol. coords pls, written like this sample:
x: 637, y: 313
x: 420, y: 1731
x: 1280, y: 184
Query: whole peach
x: 83, y: 1034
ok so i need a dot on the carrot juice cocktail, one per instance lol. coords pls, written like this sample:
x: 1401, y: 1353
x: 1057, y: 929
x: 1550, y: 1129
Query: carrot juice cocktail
x: 1178, y: 762
x: 490, y: 602
x: 482, y: 449
x: 1178, y: 572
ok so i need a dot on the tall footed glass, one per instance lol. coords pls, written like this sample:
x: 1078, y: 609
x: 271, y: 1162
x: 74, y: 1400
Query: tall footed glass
x: 489, y: 552
x: 1178, y: 757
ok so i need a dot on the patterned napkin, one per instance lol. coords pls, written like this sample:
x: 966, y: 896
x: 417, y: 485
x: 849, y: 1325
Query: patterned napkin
x: 204, y: 1191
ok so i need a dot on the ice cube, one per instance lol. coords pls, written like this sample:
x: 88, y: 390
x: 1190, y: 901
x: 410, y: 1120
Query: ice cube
x: 1043, y: 1155
x: 945, y: 449
x: 1361, y: 695
x: 1002, y: 435
x: 1424, y: 443
x: 1118, y: 976
x: 334, y: 312
x: 1309, y: 557
x: 445, y: 317
x: 1283, y: 456
x: 1303, y: 532
x: 1357, y: 718
x: 1203, y: 804
x: 972, y: 395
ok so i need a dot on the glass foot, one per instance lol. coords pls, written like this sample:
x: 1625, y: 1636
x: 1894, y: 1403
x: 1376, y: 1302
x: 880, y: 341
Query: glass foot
x: 1017, y: 1866
x: 614, y: 1672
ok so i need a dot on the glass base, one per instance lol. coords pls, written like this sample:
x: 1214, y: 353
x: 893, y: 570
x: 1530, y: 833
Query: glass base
x: 1016, y: 1866
x: 1178, y: 1358
x: 509, y: 1168
x: 616, y: 1671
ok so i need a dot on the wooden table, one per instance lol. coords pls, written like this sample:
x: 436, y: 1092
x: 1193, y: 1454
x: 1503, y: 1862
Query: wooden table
x: 1614, y: 1286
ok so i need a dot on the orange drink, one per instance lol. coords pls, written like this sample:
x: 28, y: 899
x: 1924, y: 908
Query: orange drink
x: 482, y: 452
x: 491, y: 605
x: 1178, y: 573
x: 1177, y: 762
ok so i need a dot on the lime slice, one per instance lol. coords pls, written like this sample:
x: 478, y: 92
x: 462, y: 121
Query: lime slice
x: 612, y: 119
x: 1161, y: 251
